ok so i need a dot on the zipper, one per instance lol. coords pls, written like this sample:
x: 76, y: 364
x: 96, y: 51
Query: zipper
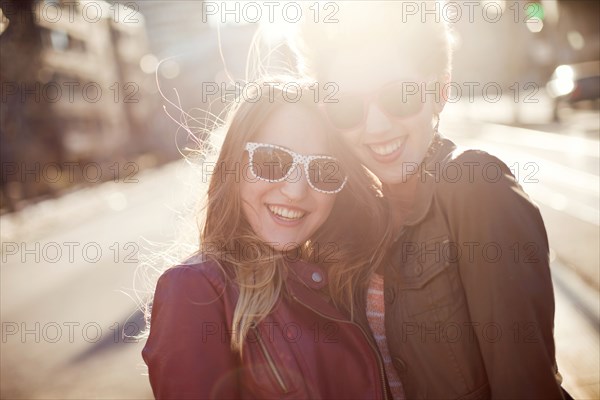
x: 269, y: 359
x: 365, y: 334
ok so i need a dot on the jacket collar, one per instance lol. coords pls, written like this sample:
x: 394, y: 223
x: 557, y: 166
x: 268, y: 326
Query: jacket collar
x: 310, y: 275
x: 428, y: 175
x: 306, y: 284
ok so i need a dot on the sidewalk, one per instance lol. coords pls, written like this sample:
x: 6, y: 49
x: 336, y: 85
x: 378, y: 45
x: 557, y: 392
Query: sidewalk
x: 576, y: 333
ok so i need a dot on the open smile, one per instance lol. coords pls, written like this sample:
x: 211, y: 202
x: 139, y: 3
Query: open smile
x: 389, y: 151
x: 286, y: 214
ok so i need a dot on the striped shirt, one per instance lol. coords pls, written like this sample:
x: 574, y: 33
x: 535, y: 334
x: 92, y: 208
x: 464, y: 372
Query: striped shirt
x: 375, y: 316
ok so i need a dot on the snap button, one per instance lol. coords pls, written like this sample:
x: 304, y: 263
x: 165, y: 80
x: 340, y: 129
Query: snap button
x: 389, y: 295
x: 399, y: 364
x: 317, y: 277
x: 418, y: 269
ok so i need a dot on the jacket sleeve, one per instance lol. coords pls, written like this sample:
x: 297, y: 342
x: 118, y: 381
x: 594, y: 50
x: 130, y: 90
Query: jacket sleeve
x: 504, y: 267
x: 188, y: 350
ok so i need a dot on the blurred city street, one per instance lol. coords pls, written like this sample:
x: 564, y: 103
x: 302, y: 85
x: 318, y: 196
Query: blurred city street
x: 71, y: 282
x: 61, y: 317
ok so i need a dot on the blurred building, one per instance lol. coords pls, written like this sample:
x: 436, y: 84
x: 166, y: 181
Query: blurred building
x: 578, y: 31
x: 73, y: 93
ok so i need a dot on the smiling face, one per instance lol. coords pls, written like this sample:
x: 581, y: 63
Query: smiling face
x: 390, y: 147
x: 287, y: 213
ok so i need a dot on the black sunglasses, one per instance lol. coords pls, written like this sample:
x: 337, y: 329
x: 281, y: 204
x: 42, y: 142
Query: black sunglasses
x: 398, y: 100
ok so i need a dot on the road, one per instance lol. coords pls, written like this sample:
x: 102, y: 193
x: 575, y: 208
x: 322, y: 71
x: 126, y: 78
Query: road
x: 90, y: 288
x: 62, y: 313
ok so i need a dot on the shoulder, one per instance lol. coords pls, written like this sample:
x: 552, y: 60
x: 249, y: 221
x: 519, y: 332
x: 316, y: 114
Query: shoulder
x: 480, y: 200
x: 479, y: 166
x: 479, y: 182
x: 455, y: 168
x: 470, y: 171
x: 197, y: 279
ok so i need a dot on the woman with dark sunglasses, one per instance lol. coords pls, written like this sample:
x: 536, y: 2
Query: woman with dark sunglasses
x: 251, y: 316
x: 464, y: 306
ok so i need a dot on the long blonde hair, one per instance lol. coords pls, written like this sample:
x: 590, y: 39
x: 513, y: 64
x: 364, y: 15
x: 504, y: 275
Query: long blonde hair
x: 226, y: 236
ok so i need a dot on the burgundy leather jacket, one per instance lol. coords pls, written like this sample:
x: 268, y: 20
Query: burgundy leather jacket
x: 304, y: 349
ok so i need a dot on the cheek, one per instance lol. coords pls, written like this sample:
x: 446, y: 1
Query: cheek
x: 253, y: 191
x: 245, y: 194
x: 353, y: 140
x: 249, y: 212
x: 251, y: 194
x: 419, y: 127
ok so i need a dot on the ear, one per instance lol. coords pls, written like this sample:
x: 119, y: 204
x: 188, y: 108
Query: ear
x: 443, y: 80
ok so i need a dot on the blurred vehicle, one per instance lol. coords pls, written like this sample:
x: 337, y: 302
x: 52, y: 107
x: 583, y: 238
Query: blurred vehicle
x: 573, y: 84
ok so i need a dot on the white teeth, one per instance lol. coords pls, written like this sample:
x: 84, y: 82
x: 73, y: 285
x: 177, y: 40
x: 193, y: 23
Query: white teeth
x: 286, y: 212
x: 386, y: 149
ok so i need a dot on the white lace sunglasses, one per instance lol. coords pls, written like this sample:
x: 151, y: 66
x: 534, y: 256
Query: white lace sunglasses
x: 272, y: 163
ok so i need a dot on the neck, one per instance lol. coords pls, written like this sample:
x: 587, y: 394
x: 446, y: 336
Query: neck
x: 401, y: 197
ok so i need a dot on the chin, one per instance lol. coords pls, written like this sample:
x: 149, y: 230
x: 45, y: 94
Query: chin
x: 392, y: 180
x: 285, y: 243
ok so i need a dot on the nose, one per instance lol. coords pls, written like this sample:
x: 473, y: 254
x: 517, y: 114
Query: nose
x: 377, y: 122
x: 295, y: 187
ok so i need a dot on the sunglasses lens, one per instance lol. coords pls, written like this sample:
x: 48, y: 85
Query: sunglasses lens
x: 346, y: 113
x: 326, y: 174
x: 401, y: 100
x: 270, y: 163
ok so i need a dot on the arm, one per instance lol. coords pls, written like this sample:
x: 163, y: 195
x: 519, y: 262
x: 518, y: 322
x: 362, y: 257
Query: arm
x: 187, y: 352
x: 505, y: 272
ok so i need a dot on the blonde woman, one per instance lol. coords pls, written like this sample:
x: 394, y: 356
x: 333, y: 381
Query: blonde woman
x: 251, y: 316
